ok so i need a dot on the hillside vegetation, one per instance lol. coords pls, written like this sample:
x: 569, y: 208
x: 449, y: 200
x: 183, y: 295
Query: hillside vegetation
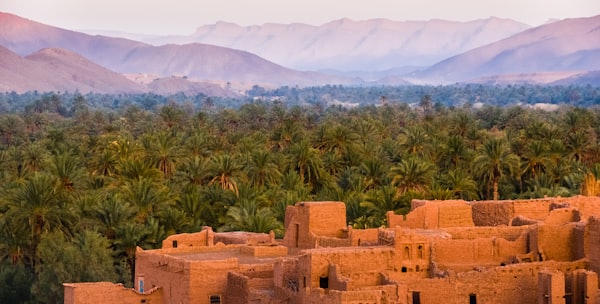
x: 84, y: 179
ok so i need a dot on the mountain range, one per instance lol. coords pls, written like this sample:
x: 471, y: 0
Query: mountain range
x: 372, y: 52
x: 343, y: 45
x: 567, y: 45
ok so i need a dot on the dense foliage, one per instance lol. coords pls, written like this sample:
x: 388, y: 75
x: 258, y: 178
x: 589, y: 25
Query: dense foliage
x: 86, y: 179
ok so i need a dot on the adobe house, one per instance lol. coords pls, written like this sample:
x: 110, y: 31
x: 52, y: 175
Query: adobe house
x: 522, y: 251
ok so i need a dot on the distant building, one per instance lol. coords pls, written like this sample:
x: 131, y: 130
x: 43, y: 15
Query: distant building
x: 523, y: 251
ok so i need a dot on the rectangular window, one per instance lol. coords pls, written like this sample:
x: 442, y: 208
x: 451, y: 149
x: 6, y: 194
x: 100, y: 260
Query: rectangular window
x: 174, y: 243
x: 472, y: 298
x: 324, y: 282
x: 215, y: 299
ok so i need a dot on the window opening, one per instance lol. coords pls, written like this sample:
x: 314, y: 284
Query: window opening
x: 324, y: 282
x: 215, y: 299
x: 472, y: 298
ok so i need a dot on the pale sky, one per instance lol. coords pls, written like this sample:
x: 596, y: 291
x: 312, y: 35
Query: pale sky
x: 184, y: 16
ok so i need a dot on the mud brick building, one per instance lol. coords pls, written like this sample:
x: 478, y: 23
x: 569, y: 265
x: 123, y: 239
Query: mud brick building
x: 544, y: 251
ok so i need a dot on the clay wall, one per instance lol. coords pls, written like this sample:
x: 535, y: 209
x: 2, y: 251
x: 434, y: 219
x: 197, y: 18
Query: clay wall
x: 359, y: 265
x: 326, y: 218
x: 562, y: 216
x: 109, y: 293
x: 197, y: 239
x: 264, y: 250
x: 414, y: 250
x: 588, y: 205
x: 582, y: 286
x: 165, y: 271
x: 457, y: 253
x: 532, y: 209
x: 241, y: 237
x: 551, y: 287
x: 560, y: 242
x: 434, y: 215
x: 592, y: 243
x: 209, y: 277
x: 306, y: 221
x: 287, y: 280
x: 241, y: 287
x: 492, y: 213
x: 510, y: 233
x: 364, y: 237
x: 510, y: 284
x: 324, y: 241
x: 383, y: 294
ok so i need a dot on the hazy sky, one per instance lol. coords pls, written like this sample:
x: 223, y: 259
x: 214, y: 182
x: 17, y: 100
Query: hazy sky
x: 183, y: 16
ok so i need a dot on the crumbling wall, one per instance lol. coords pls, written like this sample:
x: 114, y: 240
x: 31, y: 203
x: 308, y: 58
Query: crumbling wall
x: 491, y: 213
x: 354, y: 263
x: 588, y: 205
x: 434, y: 215
x: 560, y: 242
x: 510, y: 284
x: 109, y: 293
x: 510, y: 233
x: 364, y: 237
x: 324, y: 241
x: 309, y: 220
x: 242, y: 237
x: 533, y: 209
x: 551, y: 287
x: 459, y: 253
x: 592, y: 243
x: 562, y: 216
x: 197, y: 239
x: 271, y: 250
x: 244, y: 287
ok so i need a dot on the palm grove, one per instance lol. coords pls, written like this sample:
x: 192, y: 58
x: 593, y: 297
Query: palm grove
x: 82, y: 187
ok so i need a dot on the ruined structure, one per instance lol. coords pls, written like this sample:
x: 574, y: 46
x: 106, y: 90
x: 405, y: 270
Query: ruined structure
x: 526, y: 251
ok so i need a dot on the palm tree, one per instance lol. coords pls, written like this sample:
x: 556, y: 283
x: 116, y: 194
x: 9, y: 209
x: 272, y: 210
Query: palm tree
x: 493, y: 160
x: 382, y: 200
x: 339, y: 140
x: 68, y: 169
x: 262, y: 169
x: 306, y: 161
x: 224, y: 168
x: 163, y: 152
x: 193, y: 170
x: 536, y: 157
x: 415, y: 140
x: 147, y: 195
x: 248, y: 215
x: 41, y: 206
x: 14, y: 240
x: 104, y: 163
x: 411, y: 175
x: 374, y: 172
x: 454, y: 151
x: 112, y: 213
x: 461, y: 184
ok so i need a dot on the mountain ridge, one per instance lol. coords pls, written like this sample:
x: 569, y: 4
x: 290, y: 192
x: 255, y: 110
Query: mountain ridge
x: 345, y: 44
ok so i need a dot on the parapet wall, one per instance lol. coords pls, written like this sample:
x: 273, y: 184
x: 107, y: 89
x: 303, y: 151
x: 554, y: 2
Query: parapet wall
x: 434, y: 215
x: 510, y: 284
x: 458, y: 213
x: 109, y: 293
x: 510, y: 233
